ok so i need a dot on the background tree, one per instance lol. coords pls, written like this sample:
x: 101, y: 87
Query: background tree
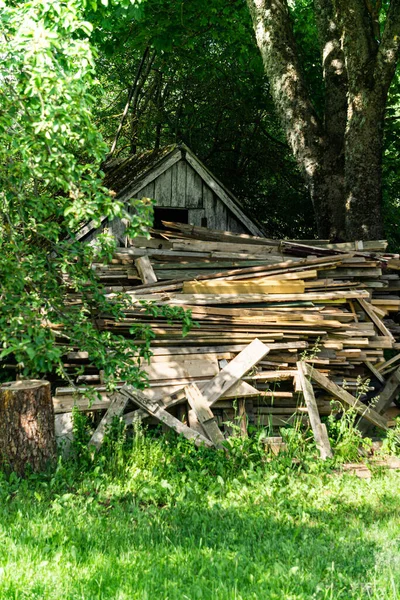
x: 340, y: 150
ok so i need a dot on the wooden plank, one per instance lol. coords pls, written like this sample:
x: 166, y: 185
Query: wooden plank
x: 229, y: 376
x: 205, y: 299
x: 204, y: 414
x: 389, y: 392
x: 344, y: 396
x: 319, y: 429
x: 194, y: 190
x: 374, y: 371
x: 368, y: 309
x: 145, y: 269
x: 385, y: 365
x: 234, y: 371
x: 116, y: 407
x: 163, y: 416
x: 243, y: 287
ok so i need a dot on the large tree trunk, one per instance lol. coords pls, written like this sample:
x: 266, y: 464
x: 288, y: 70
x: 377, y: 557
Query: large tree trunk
x: 341, y: 157
x: 304, y: 132
x: 27, y: 436
x: 335, y: 114
x: 364, y: 146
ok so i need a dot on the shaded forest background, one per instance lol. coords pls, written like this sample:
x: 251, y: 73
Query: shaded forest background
x: 195, y: 75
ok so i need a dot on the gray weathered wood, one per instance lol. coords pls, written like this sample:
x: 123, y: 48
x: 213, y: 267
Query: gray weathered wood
x: 115, y: 409
x: 234, y: 371
x: 163, y: 189
x: 178, y: 190
x: 320, y: 433
x: 196, y: 215
x: 204, y: 414
x: 154, y: 409
x: 368, y: 309
x: 194, y: 189
x: 374, y: 371
x: 134, y: 187
x: 219, y: 190
x: 145, y: 269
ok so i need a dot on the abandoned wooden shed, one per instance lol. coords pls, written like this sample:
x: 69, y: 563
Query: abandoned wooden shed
x: 185, y: 191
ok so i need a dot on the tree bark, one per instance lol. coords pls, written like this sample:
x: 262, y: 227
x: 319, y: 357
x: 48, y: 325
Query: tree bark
x: 27, y: 435
x: 304, y: 132
x: 335, y: 113
x: 341, y: 157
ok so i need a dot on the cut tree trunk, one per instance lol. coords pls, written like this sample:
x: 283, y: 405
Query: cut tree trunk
x: 27, y: 435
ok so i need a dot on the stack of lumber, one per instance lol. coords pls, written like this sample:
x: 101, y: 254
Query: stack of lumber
x: 333, y: 306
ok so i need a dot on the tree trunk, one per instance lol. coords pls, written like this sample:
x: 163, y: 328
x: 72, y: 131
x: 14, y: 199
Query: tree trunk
x: 304, y: 132
x: 364, y: 146
x: 335, y: 114
x: 341, y: 157
x: 27, y: 435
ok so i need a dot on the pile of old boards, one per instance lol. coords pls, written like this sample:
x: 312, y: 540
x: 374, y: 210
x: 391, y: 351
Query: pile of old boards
x: 282, y: 328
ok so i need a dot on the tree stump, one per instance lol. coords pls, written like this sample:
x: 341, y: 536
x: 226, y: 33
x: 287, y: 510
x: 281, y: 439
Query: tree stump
x: 27, y: 435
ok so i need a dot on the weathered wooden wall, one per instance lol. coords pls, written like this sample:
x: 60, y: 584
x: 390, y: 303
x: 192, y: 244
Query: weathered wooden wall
x: 181, y: 187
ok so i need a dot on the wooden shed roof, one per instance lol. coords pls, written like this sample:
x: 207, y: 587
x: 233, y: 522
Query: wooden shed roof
x: 127, y: 176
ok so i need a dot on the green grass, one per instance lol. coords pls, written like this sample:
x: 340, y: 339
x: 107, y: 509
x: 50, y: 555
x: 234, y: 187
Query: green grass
x: 161, y: 520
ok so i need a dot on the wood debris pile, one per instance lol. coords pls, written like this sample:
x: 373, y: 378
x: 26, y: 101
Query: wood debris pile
x: 273, y: 316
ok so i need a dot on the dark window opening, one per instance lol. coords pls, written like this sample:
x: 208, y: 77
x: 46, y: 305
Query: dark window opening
x: 177, y: 215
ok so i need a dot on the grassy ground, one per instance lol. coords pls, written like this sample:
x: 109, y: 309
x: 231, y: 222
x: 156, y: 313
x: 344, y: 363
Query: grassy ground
x: 164, y: 521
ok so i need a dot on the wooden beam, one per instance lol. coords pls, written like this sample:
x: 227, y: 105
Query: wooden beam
x: 389, y: 392
x: 204, y: 414
x: 319, y: 429
x: 368, y: 309
x: 115, y: 409
x: 155, y: 410
x: 145, y: 270
x: 234, y: 371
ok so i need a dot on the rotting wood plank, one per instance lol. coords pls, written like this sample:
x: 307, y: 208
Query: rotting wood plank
x: 145, y: 270
x: 234, y: 371
x: 204, y: 414
x: 319, y: 429
x: 154, y: 409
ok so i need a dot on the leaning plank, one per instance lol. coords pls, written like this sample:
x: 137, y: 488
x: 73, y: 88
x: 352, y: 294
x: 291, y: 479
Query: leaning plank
x: 374, y: 371
x: 328, y: 385
x: 234, y: 371
x: 116, y: 407
x: 145, y: 270
x: 368, y: 309
x: 389, y: 392
x: 319, y: 429
x: 204, y: 414
x: 162, y: 415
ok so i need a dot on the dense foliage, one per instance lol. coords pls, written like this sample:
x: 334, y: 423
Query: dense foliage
x: 50, y: 183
